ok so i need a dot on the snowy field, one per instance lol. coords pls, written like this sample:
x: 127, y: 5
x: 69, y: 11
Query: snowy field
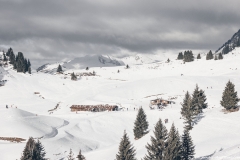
x: 98, y: 134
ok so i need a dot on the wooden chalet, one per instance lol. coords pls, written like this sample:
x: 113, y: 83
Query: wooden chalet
x: 161, y: 102
x: 94, y: 108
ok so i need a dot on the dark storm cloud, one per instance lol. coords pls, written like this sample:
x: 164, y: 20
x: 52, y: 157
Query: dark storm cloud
x: 50, y: 30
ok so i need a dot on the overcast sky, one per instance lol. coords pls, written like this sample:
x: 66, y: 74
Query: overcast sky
x: 51, y: 30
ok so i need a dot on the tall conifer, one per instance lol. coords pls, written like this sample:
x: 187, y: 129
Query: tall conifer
x: 173, y: 147
x: 188, y: 149
x: 126, y: 150
x: 229, y: 97
x: 28, y: 150
x: 157, y: 147
x: 140, y: 124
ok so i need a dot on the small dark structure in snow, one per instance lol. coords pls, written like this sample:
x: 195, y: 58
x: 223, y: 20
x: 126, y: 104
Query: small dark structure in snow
x: 36, y: 92
x: 166, y: 120
x: 94, y: 108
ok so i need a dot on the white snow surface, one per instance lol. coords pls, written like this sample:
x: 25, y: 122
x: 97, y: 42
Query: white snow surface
x: 216, y: 135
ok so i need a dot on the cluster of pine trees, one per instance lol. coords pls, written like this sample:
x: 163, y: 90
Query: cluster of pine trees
x: 163, y: 146
x: 216, y: 57
x: 193, y: 106
x: 34, y: 150
x: 186, y: 57
x: 19, y: 63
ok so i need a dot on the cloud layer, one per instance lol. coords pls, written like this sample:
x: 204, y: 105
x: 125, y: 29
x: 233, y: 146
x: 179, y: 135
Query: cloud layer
x: 50, y: 30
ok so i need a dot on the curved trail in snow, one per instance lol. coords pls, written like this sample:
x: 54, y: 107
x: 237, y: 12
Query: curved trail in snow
x: 55, y: 130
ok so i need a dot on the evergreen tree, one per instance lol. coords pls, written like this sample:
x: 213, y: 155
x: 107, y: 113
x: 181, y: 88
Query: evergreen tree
x: 4, y: 57
x: 126, y: 150
x: 29, y: 70
x: 12, y: 58
x: 202, y: 99
x: 80, y: 156
x: 15, y: 65
x: 180, y: 56
x: 196, y: 104
x: 29, y: 63
x: 188, y: 56
x: 59, y: 69
x: 188, y: 149
x: 198, y: 56
x: 28, y: 150
x: 158, y: 142
x: 73, y: 77
x: 87, y: 68
x: 229, y: 97
x: 187, y: 111
x: 140, y: 124
x: 38, y: 151
x: 220, y: 56
x: 71, y: 155
x: 127, y: 66
x: 20, y: 62
x: 168, y: 60
x: 209, y: 55
x: 173, y: 147
x: 25, y: 65
x: 9, y: 52
x: 226, y: 49
x: 215, y: 57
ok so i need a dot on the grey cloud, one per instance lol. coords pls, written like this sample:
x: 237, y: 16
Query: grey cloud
x: 52, y: 30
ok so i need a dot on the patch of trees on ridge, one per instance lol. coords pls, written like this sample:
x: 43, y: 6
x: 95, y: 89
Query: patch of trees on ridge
x: 189, y: 57
x: 19, y: 63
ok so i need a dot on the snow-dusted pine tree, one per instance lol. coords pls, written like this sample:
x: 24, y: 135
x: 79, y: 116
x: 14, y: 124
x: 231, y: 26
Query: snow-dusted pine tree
x: 70, y: 155
x: 220, y: 56
x: 173, y: 145
x: 198, y: 56
x: 156, y: 149
x: 80, y: 156
x: 59, y: 69
x: 198, y: 101
x: 187, y: 111
x: 38, y: 151
x: 188, y: 149
x: 202, y: 99
x: 140, y: 124
x: 126, y: 150
x: 73, y: 77
x: 180, y: 56
x: 28, y: 150
x: 229, y: 97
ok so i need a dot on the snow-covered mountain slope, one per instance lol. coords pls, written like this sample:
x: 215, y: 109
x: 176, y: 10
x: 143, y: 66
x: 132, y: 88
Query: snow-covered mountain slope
x: 83, y: 62
x: 233, y: 42
x: 98, y: 134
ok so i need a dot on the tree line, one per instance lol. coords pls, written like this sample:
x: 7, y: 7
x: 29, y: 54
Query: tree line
x: 189, y: 57
x: 20, y: 64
